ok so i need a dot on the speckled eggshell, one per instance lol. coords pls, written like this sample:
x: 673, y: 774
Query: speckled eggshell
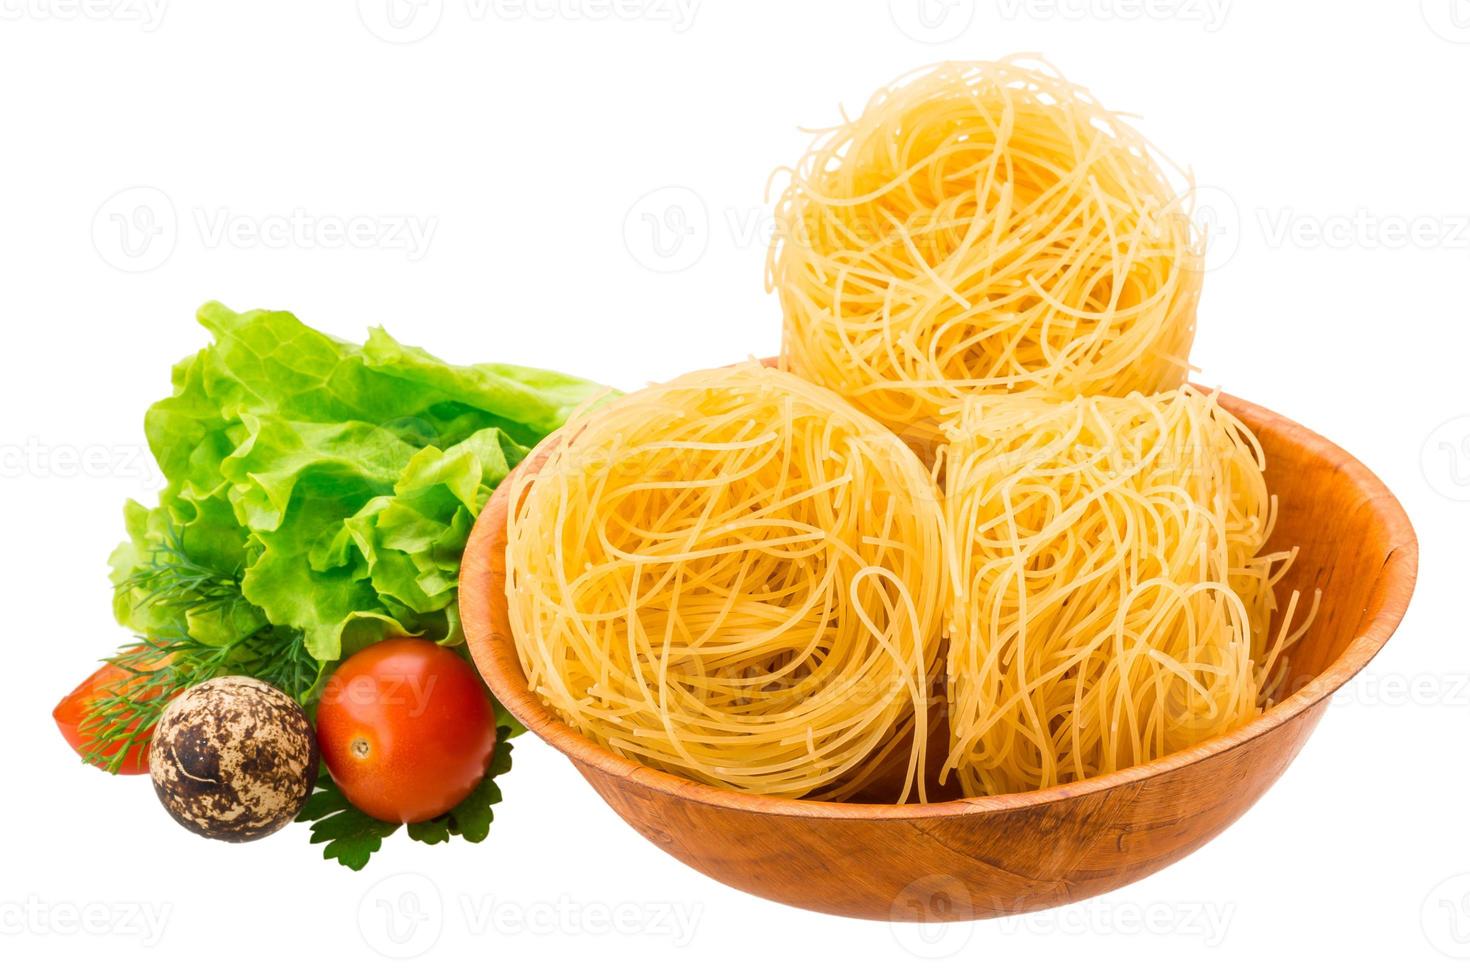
x: 233, y: 759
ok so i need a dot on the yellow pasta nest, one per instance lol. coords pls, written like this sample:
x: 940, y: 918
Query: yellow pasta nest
x: 737, y: 578
x: 983, y: 227
x: 1110, y: 600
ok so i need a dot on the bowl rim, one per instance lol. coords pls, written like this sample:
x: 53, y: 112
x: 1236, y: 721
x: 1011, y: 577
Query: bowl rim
x: 481, y: 583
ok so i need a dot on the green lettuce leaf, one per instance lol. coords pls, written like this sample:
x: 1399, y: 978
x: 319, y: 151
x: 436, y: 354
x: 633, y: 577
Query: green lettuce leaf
x: 339, y: 482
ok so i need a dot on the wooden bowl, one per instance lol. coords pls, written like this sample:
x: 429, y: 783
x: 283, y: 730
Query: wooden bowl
x: 999, y: 855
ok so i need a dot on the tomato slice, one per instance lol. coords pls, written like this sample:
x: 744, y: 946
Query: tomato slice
x: 406, y: 729
x: 80, y: 733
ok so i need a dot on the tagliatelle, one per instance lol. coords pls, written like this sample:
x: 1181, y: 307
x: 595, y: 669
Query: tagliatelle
x: 737, y: 578
x: 983, y: 227
x: 1110, y: 599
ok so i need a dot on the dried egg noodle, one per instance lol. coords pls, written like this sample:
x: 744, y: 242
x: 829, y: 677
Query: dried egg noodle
x: 1110, y: 602
x: 983, y: 227
x: 737, y: 578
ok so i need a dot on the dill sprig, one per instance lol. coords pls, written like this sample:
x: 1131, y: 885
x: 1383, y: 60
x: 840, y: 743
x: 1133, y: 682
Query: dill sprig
x: 164, y: 664
x: 171, y: 580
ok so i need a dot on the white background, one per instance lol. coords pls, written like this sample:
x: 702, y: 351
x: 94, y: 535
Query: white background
x: 520, y: 141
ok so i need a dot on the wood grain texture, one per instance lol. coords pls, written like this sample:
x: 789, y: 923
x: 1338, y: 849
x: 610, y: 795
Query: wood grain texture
x: 1001, y: 855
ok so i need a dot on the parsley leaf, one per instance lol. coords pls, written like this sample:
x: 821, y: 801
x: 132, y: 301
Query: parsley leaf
x: 471, y: 819
x: 352, y: 837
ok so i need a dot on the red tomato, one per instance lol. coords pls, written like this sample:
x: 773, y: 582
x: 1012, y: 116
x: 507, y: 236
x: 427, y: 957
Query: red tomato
x: 108, y: 680
x: 406, y: 729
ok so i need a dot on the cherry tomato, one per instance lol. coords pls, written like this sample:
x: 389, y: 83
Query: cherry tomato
x: 406, y: 729
x: 71, y: 717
